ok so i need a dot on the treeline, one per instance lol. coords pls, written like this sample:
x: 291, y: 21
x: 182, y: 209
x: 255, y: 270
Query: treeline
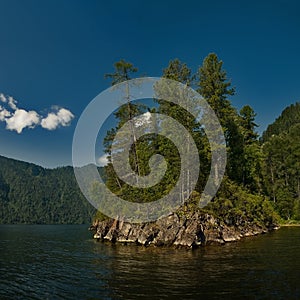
x: 288, y: 118
x: 35, y: 195
x: 246, y: 193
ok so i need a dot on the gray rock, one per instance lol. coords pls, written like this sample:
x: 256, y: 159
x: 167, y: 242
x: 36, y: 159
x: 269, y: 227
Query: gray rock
x: 190, y: 230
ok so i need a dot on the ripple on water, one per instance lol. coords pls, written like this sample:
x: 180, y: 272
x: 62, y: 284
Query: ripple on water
x: 63, y: 262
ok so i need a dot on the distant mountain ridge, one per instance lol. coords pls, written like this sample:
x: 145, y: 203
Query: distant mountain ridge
x: 289, y: 117
x: 32, y: 194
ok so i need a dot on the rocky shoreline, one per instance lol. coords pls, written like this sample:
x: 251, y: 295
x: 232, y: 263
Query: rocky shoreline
x: 189, y: 231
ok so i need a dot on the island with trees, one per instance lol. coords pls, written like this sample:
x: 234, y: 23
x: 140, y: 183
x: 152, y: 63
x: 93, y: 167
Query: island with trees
x: 259, y: 191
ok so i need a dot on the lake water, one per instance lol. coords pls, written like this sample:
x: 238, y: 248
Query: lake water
x: 64, y: 262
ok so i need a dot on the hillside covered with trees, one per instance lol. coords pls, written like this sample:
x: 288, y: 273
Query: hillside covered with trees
x: 281, y: 150
x: 32, y: 194
x: 288, y: 118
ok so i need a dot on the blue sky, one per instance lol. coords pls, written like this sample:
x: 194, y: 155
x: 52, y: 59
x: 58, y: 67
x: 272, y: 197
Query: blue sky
x: 53, y: 55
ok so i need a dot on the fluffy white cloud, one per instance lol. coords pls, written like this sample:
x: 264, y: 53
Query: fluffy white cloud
x: 2, y: 98
x: 22, y: 119
x: 4, y: 113
x: 61, y: 118
x: 102, y: 160
x: 17, y: 119
x: 143, y: 119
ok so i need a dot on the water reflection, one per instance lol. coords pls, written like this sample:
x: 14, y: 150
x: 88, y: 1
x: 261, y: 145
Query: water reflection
x: 258, y: 266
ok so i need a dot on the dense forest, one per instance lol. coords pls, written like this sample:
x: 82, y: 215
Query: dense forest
x: 261, y: 183
x: 281, y: 149
x: 32, y: 194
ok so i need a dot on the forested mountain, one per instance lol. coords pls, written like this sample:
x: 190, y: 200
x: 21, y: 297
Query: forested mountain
x: 281, y: 150
x: 289, y: 117
x: 32, y: 194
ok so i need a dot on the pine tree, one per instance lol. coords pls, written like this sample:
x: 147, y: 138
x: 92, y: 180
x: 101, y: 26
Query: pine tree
x: 181, y: 112
x: 248, y: 124
x: 252, y: 154
x: 123, y: 72
x: 214, y: 87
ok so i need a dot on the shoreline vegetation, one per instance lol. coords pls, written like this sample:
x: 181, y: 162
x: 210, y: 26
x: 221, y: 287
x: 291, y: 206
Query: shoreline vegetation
x: 297, y: 224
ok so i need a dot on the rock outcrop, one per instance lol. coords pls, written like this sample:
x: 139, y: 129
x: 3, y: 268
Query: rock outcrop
x: 188, y: 231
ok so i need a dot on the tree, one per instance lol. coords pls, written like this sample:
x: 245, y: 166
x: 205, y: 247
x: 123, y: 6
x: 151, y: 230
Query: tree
x: 214, y: 86
x: 248, y: 124
x: 288, y: 118
x: 32, y: 194
x: 252, y: 154
x: 178, y: 71
x: 142, y: 149
x: 240, y: 197
x: 282, y: 175
x: 123, y: 72
x: 181, y: 112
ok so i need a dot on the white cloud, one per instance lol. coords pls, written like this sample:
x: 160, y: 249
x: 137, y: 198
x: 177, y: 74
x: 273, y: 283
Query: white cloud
x: 4, y: 113
x: 143, y: 119
x: 3, y: 98
x: 102, y: 160
x: 22, y: 119
x: 61, y: 118
x: 65, y: 116
x: 12, y: 103
x: 17, y: 119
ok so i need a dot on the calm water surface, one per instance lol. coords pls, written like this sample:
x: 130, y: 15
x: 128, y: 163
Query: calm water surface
x: 63, y: 262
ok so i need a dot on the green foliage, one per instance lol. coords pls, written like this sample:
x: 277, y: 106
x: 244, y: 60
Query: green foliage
x: 289, y: 117
x: 123, y: 71
x: 31, y: 194
x: 215, y: 87
x: 178, y: 71
x: 237, y: 206
x: 142, y: 149
x: 243, y: 151
x: 248, y: 125
x: 240, y: 199
x: 282, y: 169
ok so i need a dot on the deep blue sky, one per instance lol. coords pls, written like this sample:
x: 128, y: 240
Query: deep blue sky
x: 55, y: 52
